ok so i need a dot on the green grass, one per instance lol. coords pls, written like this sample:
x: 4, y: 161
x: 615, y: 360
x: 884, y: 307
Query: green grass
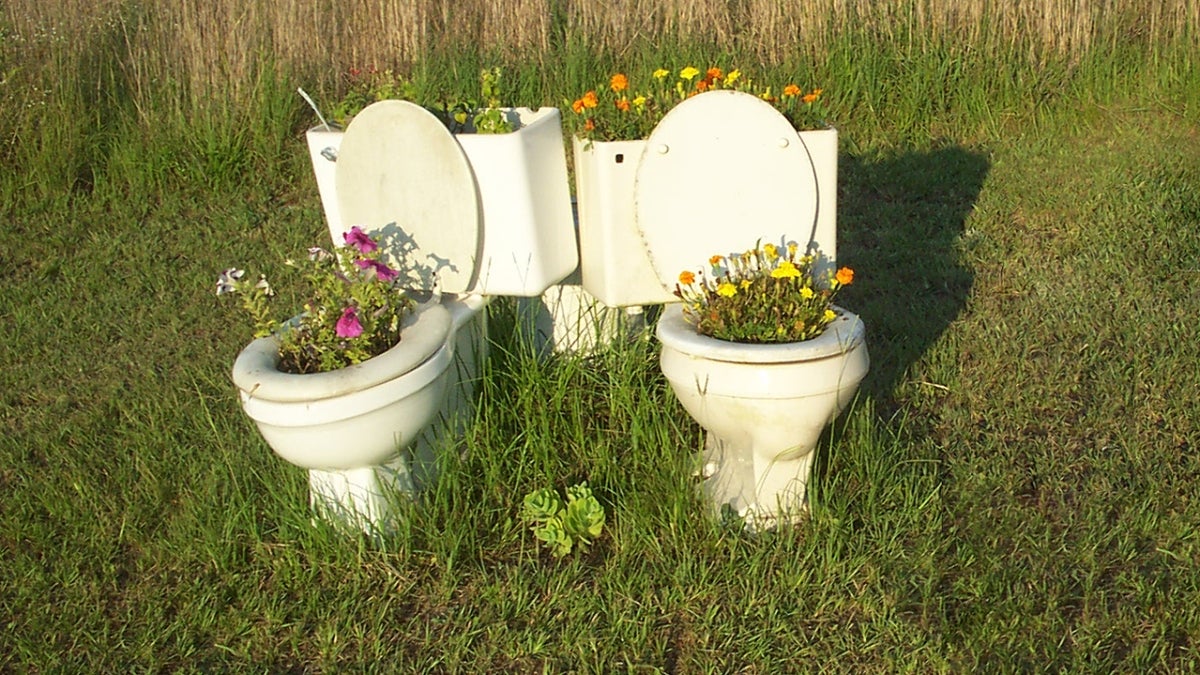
x: 1014, y: 489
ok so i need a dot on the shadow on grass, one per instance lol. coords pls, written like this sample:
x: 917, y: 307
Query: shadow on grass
x: 900, y: 223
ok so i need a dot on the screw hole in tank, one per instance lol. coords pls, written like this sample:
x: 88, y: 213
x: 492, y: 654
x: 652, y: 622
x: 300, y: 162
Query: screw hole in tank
x: 620, y: 157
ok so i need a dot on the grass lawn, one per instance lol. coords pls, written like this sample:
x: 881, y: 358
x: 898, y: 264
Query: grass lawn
x: 1015, y: 488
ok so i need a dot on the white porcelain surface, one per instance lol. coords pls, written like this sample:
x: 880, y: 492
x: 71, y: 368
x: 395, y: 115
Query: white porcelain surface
x: 323, y: 146
x: 614, y: 264
x: 401, y: 172
x: 362, y: 415
x: 764, y: 408
x: 720, y: 172
x: 522, y: 189
x: 525, y: 196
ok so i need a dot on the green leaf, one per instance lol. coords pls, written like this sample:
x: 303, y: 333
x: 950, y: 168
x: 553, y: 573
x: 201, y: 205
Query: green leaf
x: 584, y: 515
x: 541, y: 505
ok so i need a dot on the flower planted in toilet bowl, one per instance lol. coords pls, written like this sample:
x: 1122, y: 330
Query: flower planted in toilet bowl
x: 483, y: 115
x: 628, y: 108
x: 344, y: 388
x: 766, y: 295
x: 760, y: 356
x: 354, y: 308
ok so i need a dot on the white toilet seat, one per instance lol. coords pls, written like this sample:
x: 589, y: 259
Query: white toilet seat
x: 693, y: 171
x: 401, y: 172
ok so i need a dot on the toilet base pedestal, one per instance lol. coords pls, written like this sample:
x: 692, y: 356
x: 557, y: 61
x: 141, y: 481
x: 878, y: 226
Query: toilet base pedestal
x: 762, y: 492
x: 364, y: 498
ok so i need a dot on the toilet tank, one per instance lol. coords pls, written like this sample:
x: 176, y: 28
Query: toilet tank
x: 495, y: 208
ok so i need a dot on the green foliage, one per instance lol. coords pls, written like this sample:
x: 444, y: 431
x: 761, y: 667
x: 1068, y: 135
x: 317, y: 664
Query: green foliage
x: 355, y: 310
x: 482, y: 116
x: 763, y: 295
x: 563, y: 527
x: 367, y: 87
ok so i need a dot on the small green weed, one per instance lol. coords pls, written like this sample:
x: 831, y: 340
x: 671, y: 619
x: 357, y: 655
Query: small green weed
x: 573, y: 525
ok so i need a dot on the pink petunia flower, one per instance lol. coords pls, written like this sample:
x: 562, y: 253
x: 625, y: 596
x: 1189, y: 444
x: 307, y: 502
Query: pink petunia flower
x: 359, y: 239
x: 382, y: 271
x: 348, y: 326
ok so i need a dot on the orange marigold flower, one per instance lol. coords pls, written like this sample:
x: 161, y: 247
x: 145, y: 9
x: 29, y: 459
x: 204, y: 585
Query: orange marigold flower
x: 623, y: 104
x: 714, y: 74
x: 791, y: 90
x: 589, y: 125
x: 686, y: 278
x: 577, y: 106
x: 619, y: 82
x: 701, y: 85
x: 845, y: 276
x: 716, y: 259
x: 590, y: 100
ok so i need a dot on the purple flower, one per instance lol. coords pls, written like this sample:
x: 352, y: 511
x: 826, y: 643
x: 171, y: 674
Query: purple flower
x: 359, y: 239
x: 348, y: 326
x: 382, y: 271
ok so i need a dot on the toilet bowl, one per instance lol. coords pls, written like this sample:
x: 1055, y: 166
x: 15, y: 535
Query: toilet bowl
x: 370, y: 431
x: 764, y: 408
x: 723, y: 172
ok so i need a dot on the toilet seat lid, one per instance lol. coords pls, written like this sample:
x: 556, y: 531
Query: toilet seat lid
x: 722, y: 171
x: 403, y: 178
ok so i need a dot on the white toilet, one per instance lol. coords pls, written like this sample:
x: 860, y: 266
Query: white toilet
x: 406, y: 180
x: 721, y: 173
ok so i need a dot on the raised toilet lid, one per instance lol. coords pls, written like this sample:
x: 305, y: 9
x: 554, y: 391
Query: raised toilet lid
x: 722, y: 171
x: 403, y: 178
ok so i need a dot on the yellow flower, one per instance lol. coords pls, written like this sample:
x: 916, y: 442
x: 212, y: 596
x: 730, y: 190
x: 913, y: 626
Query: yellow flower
x: 639, y: 103
x: 807, y: 293
x: 726, y: 289
x: 619, y: 82
x: 792, y: 248
x: 732, y: 77
x: 830, y: 315
x: 786, y: 270
x: 845, y: 276
x: 688, y: 73
x: 686, y: 278
x: 661, y: 73
x: 745, y: 284
x: 771, y: 251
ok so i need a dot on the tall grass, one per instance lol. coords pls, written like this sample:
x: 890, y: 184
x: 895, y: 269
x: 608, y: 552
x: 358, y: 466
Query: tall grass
x: 218, y: 46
